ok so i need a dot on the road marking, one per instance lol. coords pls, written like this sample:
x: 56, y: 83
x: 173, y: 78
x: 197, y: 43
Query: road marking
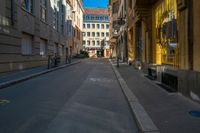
x: 4, y: 101
x: 105, y: 80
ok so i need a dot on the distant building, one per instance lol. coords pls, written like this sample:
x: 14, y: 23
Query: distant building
x: 96, y: 32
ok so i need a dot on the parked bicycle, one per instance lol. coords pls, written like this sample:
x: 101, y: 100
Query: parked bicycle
x: 53, y: 61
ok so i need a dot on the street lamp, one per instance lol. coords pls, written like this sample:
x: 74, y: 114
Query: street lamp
x: 116, y: 35
x: 119, y: 22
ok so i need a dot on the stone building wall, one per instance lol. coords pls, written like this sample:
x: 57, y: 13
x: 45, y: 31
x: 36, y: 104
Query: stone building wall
x: 17, y: 22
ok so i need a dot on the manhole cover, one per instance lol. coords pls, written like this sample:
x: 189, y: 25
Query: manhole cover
x: 4, y: 101
x: 195, y: 113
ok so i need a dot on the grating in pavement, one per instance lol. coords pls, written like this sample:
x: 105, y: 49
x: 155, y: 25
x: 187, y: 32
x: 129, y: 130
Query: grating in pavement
x: 195, y: 113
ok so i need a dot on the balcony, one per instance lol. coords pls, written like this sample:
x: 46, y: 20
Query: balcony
x: 143, y: 7
x: 145, y: 2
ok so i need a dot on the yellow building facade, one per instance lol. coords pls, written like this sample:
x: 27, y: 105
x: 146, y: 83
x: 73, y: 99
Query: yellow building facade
x: 164, y: 27
x: 166, y: 34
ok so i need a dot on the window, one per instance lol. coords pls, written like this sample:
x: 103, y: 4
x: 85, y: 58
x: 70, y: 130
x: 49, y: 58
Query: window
x: 98, y: 26
x: 61, y: 49
x: 107, y: 43
x: 93, y: 34
x: 27, y: 5
x: 43, y: 47
x: 9, y: 13
x: 84, y: 26
x: 98, y: 43
x: 98, y: 34
x: 107, y: 34
x: 83, y: 43
x: 43, y: 10
x: 102, y: 34
x: 83, y: 33
x: 87, y: 17
x: 62, y: 18
x: 88, y: 34
x: 102, y: 26
x: 93, y: 26
x: 115, y: 7
x: 107, y: 26
x: 26, y: 46
x: 69, y: 28
x: 88, y: 43
x: 55, y: 19
x: 88, y: 26
x: 93, y: 43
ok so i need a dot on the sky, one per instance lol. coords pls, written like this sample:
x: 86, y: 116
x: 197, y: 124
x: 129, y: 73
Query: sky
x: 95, y: 3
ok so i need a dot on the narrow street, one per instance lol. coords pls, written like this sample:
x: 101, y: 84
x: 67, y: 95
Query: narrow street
x: 84, y: 98
x: 99, y: 66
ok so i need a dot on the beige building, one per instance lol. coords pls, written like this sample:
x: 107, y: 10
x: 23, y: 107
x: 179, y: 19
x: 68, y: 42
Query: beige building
x: 119, y: 30
x: 77, y: 26
x: 96, y: 32
x: 30, y: 30
x: 114, y: 27
x: 123, y: 30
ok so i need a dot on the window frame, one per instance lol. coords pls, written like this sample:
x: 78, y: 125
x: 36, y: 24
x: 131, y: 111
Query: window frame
x: 43, y: 49
x: 43, y: 10
x: 27, y: 44
x: 28, y: 5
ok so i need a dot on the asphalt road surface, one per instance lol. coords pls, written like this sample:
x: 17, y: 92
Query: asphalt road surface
x: 84, y: 98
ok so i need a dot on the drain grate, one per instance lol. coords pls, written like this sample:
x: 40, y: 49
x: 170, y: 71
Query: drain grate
x: 4, y: 102
x: 195, y: 113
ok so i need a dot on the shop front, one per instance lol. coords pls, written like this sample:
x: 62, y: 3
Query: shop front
x: 165, y: 27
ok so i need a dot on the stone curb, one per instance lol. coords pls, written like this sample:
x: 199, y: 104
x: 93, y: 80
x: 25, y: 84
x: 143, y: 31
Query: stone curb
x: 143, y: 120
x: 19, y: 80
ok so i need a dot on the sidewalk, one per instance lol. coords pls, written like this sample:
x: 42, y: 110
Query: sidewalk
x: 169, y: 111
x: 13, y: 76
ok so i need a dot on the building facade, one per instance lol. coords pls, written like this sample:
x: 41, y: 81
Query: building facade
x: 30, y: 31
x: 123, y: 30
x: 163, y: 41
x: 114, y: 27
x: 119, y: 31
x: 96, y: 32
x: 77, y: 26
x: 165, y: 36
x: 69, y: 19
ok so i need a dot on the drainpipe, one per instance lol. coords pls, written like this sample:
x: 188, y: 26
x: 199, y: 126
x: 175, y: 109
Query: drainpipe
x: 190, y: 34
x: 126, y: 29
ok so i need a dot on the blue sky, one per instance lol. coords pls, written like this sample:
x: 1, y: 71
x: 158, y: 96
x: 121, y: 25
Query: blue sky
x: 95, y: 3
